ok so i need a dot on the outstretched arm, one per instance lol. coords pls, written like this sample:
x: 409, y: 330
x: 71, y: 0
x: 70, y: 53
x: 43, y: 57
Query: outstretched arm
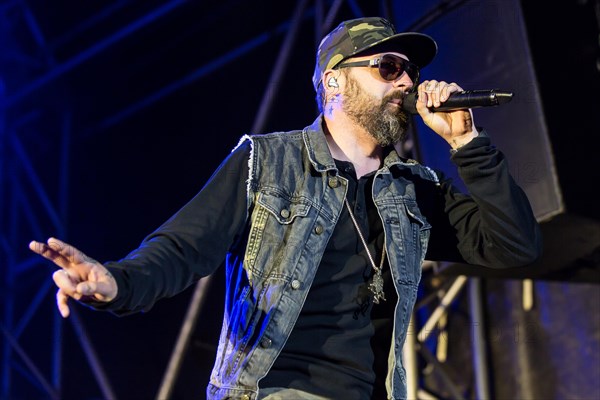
x: 79, y: 277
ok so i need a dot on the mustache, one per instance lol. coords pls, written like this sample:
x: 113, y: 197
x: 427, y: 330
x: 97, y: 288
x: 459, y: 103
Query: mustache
x: 399, y: 94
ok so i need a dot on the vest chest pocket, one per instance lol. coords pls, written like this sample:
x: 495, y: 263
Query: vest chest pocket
x: 277, y: 235
x: 414, y: 214
x: 419, y: 230
x: 283, y: 207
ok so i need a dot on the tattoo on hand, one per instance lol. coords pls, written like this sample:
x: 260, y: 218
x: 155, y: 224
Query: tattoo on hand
x: 88, y: 259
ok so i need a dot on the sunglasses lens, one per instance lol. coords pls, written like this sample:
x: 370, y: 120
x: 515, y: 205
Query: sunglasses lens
x: 390, y: 68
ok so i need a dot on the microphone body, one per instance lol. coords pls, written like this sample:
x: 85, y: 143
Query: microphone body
x: 461, y: 100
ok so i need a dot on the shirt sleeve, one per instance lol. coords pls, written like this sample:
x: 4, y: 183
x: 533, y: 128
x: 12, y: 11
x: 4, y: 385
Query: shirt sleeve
x: 191, y: 244
x: 493, y: 225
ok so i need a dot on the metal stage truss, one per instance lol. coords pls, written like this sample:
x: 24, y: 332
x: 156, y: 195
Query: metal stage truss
x: 34, y: 188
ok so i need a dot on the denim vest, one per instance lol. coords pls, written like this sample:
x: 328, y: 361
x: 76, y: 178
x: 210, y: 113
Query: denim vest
x: 295, y: 198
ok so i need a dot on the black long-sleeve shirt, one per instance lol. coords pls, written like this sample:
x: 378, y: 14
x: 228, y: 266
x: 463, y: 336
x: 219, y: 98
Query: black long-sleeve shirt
x: 172, y: 257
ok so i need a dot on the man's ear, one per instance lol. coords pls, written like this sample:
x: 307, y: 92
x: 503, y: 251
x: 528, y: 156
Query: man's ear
x: 330, y: 80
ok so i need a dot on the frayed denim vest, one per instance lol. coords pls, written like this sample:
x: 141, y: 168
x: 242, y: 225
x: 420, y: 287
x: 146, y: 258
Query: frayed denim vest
x: 295, y: 198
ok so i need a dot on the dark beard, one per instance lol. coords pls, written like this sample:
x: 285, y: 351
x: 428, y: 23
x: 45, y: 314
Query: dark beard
x: 387, y: 124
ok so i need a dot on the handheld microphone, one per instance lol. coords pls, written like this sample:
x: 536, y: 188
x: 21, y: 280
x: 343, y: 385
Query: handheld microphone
x: 461, y: 100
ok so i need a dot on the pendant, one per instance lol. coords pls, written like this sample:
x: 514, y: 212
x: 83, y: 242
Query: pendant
x: 376, y: 287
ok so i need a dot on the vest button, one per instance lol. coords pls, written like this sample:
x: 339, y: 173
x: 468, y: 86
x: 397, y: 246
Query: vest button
x: 285, y: 213
x: 319, y: 229
x: 265, y: 343
x: 333, y: 182
x: 296, y: 284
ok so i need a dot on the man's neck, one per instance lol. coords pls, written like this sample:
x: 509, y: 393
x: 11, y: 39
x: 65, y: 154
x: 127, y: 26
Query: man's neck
x: 349, y: 142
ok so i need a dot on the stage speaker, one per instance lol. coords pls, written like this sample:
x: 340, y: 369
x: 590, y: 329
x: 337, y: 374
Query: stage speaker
x: 543, y: 316
x: 553, y: 116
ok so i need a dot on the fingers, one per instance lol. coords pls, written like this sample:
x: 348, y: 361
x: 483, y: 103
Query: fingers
x: 54, y: 250
x: 433, y: 93
x: 99, y: 284
x: 40, y: 248
x: 64, y: 255
x: 80, y: 276
x: 66, y: 283
x: 102, y: 291
x: 61, y: 303
x: 66, y: 289
x: 68, y: 252
x: 70, y: 287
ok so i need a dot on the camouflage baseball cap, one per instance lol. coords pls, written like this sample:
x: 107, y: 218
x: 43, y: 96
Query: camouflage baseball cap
x: 352, y: 37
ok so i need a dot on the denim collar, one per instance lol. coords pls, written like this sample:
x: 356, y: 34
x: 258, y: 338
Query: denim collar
x: 320, y: 156
x: 316, y: 145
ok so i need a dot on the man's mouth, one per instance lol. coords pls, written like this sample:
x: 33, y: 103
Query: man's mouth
x: 396, y: 98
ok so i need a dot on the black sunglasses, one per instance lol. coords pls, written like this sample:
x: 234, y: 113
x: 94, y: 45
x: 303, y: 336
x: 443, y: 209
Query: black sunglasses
x: 390, y: 67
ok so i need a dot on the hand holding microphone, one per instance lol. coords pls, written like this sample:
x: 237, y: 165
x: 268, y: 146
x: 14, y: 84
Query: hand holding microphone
x: 461, y: 100
x: 446, y: 108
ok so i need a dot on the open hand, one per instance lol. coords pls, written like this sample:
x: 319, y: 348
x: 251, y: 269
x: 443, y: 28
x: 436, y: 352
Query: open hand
x: 79, y: 276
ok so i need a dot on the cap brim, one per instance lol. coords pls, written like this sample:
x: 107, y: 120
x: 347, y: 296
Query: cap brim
x: 418, y: 47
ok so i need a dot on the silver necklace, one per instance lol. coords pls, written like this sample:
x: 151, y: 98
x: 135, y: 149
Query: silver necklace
x: 376, y: 285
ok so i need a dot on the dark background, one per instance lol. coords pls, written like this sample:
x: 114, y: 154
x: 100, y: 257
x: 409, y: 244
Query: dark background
x: 123, y: 110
